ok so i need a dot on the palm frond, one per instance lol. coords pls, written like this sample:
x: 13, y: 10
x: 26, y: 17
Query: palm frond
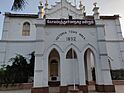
x: 18, y: 5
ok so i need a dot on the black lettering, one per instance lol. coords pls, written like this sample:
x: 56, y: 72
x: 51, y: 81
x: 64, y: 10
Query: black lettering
x: 70, y: 38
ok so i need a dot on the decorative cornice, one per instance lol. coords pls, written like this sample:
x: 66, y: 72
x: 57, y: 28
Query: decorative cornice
x: 110, y: 17
x: 110, y: 40
x: 99, y: 25
x: 114, y: 40
x: 38, y: 55
x: 107, y: 69
x: 25, y: 41
x: 102, y: 40
x: 2, y: 62
x: 20, y: 41
x: 5, y: 30
x: 103, y: 54
x: 122, y: 51
x: 38, y: 70
x: 39, y: 25
x: 39, y: 40
x: 2, y: 51
x: 119, y: 32
x: 104, y: 17
x: 8, y: 14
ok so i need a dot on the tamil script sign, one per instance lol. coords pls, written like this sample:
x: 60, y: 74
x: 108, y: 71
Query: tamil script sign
x: 70, y: 22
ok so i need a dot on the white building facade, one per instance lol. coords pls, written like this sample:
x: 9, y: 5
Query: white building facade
x: 68, y: 44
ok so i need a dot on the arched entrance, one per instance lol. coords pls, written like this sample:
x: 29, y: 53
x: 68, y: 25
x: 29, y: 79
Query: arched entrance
x: 89, y: 64
x: 72, y: 65
x: 54, y: 68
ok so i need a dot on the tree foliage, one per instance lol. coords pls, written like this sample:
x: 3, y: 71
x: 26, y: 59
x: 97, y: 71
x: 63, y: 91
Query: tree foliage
x: 19, y: 71
x: 31, y: 65
x: 18, y: 5
x: 117, y: 74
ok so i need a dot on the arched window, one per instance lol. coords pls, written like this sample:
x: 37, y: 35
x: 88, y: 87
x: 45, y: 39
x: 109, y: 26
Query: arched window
x: 54, y: 65
x: 26, y: 29
x: 71, y: 54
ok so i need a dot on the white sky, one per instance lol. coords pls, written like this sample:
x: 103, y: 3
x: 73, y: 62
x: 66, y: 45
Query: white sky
x: 107, y: 7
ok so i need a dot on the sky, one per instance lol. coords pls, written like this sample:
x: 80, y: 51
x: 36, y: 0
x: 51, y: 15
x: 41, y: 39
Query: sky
x: 107, y: 7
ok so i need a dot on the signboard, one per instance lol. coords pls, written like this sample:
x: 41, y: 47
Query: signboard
x: 70, y: 35
x: 70, y: 22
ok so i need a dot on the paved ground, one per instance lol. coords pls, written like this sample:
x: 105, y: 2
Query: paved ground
x: 119, y: 89
x: 17, y: 91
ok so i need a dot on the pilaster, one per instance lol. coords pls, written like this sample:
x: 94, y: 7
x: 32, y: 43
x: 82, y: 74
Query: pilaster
x: 6, y: 28
x: 63, y: 76
x: 39, y: 49
x: 89, y: 66
x: 106, y: 76
x: 118, y: 28
x: 82, y: 78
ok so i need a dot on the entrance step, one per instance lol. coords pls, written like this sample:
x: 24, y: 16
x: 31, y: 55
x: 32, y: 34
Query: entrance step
x: 91, y: 88
x: 54, y: 83
x: 54, y: 89
x: 72, y: 87
x: 76, y: 92
x: 72, y: 90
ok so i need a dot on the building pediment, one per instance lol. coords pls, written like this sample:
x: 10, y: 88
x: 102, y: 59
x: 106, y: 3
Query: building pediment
x: 63, y: 9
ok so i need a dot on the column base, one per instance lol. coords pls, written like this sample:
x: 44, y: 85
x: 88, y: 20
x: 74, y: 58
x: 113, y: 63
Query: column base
x: 83, y: 88
x: 74, y: 91
x: 105, y: 88
x: 63, y: 89
x: 40, y: 90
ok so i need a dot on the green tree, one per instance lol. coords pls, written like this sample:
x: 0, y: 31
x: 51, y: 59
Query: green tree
x: 2, y: 74
x: 31, y: 64
x: 18, y: 72
x: 18, y: 4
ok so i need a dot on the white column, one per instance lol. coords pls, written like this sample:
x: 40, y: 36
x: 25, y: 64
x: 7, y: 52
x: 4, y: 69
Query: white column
x: 38, y: 72
x: 39, y: 49
x: 81, y: 70
x: 89, y: 66
x: 6, y: 28
x: 45, y: 73
x: 118, y: 28
x: 105, y: 71
x: 98, y: 72
x: 63, y: 69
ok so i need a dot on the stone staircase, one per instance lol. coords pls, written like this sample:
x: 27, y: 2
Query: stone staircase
x: 71, y: 89
x: 57, y: 89
x: 91, y: 89
x: 54, y: 89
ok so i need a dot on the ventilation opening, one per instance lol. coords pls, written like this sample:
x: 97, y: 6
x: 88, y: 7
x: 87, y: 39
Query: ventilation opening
x: 70, y: 17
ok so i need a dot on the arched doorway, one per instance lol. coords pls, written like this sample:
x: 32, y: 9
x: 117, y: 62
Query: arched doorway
x: 54, y: 67
x: 89, y: 63
x: 71, y: 54
x: 72, y: 67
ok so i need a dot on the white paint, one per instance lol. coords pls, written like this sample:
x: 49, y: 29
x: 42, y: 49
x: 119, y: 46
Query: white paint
x: 104, y: 39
